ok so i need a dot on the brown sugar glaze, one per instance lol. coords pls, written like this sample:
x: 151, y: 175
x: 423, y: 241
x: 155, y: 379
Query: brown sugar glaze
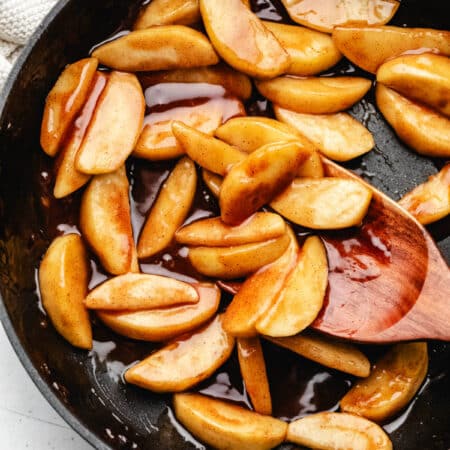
x: 298, y: 386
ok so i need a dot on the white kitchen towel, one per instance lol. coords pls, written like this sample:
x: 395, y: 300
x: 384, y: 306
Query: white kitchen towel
x: 18, y: 20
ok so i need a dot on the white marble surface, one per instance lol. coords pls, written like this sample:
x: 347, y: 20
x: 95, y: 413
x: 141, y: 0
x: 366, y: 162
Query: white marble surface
x: 27, y: 421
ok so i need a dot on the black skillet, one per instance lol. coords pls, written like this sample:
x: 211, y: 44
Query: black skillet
x: 86, y: 389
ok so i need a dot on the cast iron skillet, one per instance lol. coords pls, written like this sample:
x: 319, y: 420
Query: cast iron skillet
x: 86, y: 388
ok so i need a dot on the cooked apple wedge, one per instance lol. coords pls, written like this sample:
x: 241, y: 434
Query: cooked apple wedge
x: 324, y: 203
x: 255, y: 181
x: 430, y: 201
x: 210, y: 153
x: 161, y: 324
x: 328, y: 352
x: 168, y: 12
x: 212, y: 181
x: 64, y: 102
x: 424, y: 78
x: 184, y: 362
x: 242, y: 40
x: 63, y: 281
x: 420, y: 127
x: 213, y: 232
x: 158, y: 48
x: 338, y: 136
x: 105, y: 221
x: 311, y: 52
x: 227, y: 426
x: 369, y: 47
x: 331, y: 430
x: 393, y: 382
x: 327, y: 14
x: 114, y: 127
x: 259, y: 292
x: 238, y: 260
x: 315, y: 95
x: 254, y: 374
x: 312, y: 167
x: 169, y: 210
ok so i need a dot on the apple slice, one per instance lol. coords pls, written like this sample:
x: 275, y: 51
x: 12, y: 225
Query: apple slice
x: 105, y: 221
x: 114, y: 127
x: 255, y: 181
x: 161, y: 324
x: 314, y: 95
x: 227, y: 426
x: 210, y: 153
x: 324, y: 203
x: 338, y: 136
x: 327, y: 14
x: 254, y: 374
x: 311, y: 52
x: 301, y: 298
x: 158, y: 48
x: 212, y: 181
x: 184, y: 362
x: 331, y: 430
x: 424, y: 78
x: 258, y: 293
x: 236, y: 261
x: 430, y: 201
x: 420, y: 127
x: 170, y: 209
x: 369, y: 47
x: 63, y: 281
x: 312, y: 167
x: 392, y: 384
x: 168, y: 12
x: 64, y: 101
x: 213, y: 232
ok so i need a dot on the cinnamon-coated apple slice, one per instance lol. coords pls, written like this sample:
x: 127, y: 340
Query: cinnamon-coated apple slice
x: 420, y: 127
x: 106, y: 224
x: 184, y: 362
x: 64, y: 101
x: 315, y: 95
x: 394, y: 381
x: 63, y: 281
x: 161, y: 324
x: 115, y: 125
x: 158, y: 48
x: 225, y: 426
x: 312, y: 167
x: 369, y: 47
x: 212, y: 181
x: 169, y: 210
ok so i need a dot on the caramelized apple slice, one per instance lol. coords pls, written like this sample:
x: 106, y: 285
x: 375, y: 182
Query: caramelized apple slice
x: 242, y: 40
x: 430, y: 201
x: 213, y: 181
x: 169, y: 210
x: 338, y: 136
x: 160, y: 48
x: 315, y: 95
x: 420, y: 127
x: 392, y: 384
x: 64, y: 102
x: 254, y: 374
x: 424, y: 78
x: 114, y: 127
x: 325, y: 203
x: 328, y: 352
x: 253, y: 182
x: 311, y: 52
x: 369, y: 47
x: 162, y: 324
x: 212, y: 154
x: 184, y: 362
x: 226, y: 426
x: 105, y: 221
x: 312, y: 167
x: 168, y: 12
x: 63, y: 280
x: 330, y: 430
